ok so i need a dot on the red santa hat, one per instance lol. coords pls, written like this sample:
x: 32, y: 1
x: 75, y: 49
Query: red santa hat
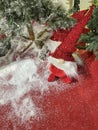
x: 79, y: 15
x: 61, y: 34
x: 67, y: 47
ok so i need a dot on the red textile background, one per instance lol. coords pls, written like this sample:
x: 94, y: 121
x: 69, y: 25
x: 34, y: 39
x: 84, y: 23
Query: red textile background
x: 73, y: 109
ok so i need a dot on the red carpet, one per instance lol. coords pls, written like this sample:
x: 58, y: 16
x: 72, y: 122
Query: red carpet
x: 73, y: 109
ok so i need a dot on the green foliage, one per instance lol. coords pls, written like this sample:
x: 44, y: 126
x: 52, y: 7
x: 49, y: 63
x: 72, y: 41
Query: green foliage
x: 97, y: 56
x: 18, y: 12
x: 76, y: 6
x: 5, y: 46
x: 96, y: 2
x: 92, y: 37
x: 84, y: 38
x: 60, y: 19
x: 22, y: 12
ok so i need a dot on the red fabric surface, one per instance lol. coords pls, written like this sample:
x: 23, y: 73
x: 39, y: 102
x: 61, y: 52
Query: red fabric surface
x: 75, y: 108
x: 60, y: 35
x: 79, y: 15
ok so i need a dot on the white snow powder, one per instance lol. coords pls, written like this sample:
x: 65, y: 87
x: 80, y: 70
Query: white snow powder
x: 17, y: 80
x: 12, y: 90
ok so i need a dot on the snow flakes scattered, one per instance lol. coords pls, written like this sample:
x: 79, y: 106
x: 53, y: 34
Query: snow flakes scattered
x: 17, y: 80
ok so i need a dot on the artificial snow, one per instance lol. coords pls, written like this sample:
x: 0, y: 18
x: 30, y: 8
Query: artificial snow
x: 17, y: 80
x: 12, y: 90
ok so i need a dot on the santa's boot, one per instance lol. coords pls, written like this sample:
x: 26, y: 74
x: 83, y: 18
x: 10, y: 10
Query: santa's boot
x: 51, y: 78
x: 66, y: 79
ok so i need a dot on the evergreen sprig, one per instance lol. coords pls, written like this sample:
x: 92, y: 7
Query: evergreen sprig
x: 18, y: 12
x: 91, y: 38
x: 76, y: 6
x: 22, y: 12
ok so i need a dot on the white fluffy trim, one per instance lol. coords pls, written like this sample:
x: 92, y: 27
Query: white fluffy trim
x: 52, y: 45
x: 70, y: 68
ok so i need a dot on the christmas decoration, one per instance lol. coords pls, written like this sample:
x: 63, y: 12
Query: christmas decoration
x: 37, y: 39
x: 61, y: 68
x: 59, y: 35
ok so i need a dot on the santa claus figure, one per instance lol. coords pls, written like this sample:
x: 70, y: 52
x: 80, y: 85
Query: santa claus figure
x: 62, y: 63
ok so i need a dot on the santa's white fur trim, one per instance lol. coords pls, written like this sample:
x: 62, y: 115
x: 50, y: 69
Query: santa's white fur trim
x: 70, y: 68
x: 52, y: 45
